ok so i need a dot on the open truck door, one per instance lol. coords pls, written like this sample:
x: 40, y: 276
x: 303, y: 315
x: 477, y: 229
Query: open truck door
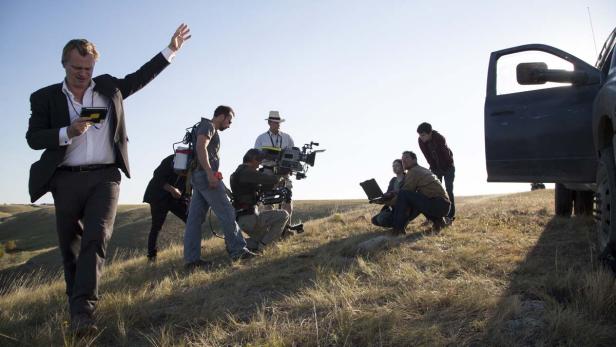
x: 538, y: 116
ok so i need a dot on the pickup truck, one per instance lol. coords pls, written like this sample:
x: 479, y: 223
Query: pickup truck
x: 555, y: 123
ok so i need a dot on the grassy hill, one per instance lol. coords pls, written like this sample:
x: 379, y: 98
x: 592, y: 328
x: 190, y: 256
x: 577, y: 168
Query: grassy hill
x: 506, y: 273
x: 33, y: 229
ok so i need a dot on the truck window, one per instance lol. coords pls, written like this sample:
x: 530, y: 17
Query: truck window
x: 506, y: 81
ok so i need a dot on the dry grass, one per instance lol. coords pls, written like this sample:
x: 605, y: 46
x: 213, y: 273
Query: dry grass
x: 506, y: 273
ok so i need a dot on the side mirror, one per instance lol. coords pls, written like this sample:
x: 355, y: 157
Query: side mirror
x: 538, y: 73
x: 531, y: 73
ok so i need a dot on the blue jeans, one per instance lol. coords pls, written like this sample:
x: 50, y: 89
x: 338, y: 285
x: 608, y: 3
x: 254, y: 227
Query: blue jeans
x: 204, y: 198
x: 410, y: 204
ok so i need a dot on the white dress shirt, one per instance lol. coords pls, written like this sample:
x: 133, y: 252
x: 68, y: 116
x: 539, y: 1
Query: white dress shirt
x: 95, y: 145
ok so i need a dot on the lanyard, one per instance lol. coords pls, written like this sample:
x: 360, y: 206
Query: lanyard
x: 278, y: 140
x: 70, y: 101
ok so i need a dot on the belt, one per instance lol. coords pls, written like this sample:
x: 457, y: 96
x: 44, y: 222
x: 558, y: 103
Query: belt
x: 82, y: 168
x: 244, y: 212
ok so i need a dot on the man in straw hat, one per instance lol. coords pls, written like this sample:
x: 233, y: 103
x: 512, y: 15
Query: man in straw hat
x: 276, y: 138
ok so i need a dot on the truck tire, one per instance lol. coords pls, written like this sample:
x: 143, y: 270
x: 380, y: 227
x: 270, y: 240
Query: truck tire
x: 563, y: 200
x: 583, y: 203
x: 606, y: 207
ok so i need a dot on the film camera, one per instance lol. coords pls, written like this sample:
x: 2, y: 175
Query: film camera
x: 290, y: 160
x: 275, y: 196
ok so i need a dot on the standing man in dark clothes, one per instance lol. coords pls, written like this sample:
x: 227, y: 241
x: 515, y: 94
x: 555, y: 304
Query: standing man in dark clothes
x: 440, y: 158
x: 165, y: 193
x: 82, y: 160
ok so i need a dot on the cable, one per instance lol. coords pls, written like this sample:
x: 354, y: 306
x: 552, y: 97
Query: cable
x: 212, y: 226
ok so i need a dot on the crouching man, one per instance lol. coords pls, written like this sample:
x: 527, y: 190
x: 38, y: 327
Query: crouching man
x: 263, y: 227
x: 421, y: 192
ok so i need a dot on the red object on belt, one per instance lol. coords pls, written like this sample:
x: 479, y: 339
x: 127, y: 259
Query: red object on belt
x: 218, y: 175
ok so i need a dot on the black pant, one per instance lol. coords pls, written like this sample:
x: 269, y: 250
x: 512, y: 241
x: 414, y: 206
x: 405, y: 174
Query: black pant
x: 410, y: 204
x: 178, y: 207
x: 449, y: 176
x: 86, y: 204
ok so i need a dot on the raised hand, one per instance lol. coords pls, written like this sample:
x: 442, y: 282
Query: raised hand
x: 182, y: 33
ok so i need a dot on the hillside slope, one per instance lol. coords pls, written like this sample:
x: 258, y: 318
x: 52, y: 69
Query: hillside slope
x: 34, y: 231
x: 506, y: 273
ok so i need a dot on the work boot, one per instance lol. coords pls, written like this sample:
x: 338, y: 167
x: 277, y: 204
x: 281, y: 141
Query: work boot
x: 438, y: 225
x: 198, y: 264
x: 83, y: 325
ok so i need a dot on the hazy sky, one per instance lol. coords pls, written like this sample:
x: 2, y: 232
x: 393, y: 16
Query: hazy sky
x: 355, y: 76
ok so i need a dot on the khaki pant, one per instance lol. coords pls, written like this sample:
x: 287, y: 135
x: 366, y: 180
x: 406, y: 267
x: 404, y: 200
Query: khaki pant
x: 263, y: 228
x: 287, y: 206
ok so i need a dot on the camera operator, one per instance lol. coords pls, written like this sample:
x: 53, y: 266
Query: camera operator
x: 165, y: 193
x: 264, y: 227
x: 276, y: 138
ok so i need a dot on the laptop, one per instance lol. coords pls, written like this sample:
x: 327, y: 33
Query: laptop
x: 373, y: 191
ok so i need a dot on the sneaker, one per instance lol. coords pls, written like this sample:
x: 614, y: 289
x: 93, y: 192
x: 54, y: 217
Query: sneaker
x: 287, y: 232
x: 83, y: 325
x: 246, y: 254
x: 298, y: 228
x: 257, y: 250
x: 198, y: 264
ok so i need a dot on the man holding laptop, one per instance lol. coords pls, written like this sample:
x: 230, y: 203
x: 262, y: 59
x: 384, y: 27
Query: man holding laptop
x: 83, y: 150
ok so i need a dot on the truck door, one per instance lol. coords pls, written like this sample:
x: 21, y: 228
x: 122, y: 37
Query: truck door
x: 540, y: 132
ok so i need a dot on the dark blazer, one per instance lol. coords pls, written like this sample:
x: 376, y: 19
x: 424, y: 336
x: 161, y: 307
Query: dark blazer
x: 164, y: 173
x: 49, y: 109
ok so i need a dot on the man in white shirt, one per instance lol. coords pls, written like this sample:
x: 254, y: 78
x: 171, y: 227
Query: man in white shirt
x: 81, y: 160
x: 276, y: 138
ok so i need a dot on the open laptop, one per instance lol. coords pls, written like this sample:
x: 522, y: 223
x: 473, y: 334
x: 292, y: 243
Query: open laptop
x: 373, y: 191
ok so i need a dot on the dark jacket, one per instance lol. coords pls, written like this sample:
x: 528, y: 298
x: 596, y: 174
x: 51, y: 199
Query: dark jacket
x: 437, y: 153
x: 391, y: 187
x: 245, y: 184
x: 49, y: 113
x: 164, y: 174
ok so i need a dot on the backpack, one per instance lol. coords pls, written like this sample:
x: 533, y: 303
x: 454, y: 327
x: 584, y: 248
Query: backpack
x: 185, y: 158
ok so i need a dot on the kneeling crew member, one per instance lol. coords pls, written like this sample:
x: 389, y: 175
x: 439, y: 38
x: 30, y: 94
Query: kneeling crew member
x: 421, y: 192
x: 263, y: 227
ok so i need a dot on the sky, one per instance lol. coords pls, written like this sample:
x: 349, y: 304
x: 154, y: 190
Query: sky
x: 358, y: 77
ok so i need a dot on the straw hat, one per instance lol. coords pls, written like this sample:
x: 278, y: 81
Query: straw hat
x: 274, y: 116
